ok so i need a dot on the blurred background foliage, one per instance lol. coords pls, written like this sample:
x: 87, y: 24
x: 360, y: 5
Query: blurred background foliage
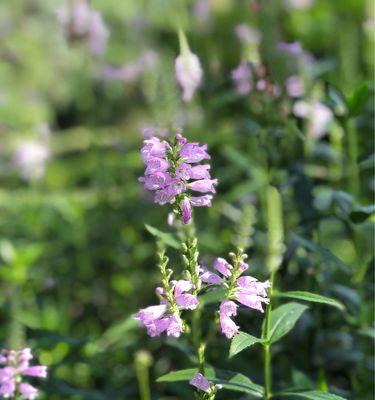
x: 75, y: 258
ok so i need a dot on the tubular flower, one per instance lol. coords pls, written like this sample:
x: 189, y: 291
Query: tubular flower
x: 170, y: 173
x: 245, y: 290
x: 202, y: 383
x: 165, y: 317
x: 14, y: 365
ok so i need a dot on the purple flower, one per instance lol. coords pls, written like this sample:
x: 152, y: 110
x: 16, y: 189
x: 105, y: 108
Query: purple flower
x: 170, y: 174
x: 28, y: 392
x: 16, y: 367
x: 201, y: 383
x: 242, y: 78
x: 193, y: 152
x: 82, y: 23
x: 247, y: 34
x: 294, y: 86
x: 201, y: 201
x: 166, y: 317
x: 189, y: 74
x: 7, y: 388
x: 187, y: 301
x: 175, y: 327
x: 293, y: 48
x: 186, y: 211
x: 251, y: 300
x: 228, y: 327
x: 209, y: 277
x: 37, y: 371
x: 318, y: 117
x: 228, y: 308
x: 200, y: 172
x: 148, y: 315
x: 222, y: 265
x: 204, y: 185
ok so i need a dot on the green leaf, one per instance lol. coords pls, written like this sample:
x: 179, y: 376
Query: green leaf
x: 242, y: 341
x: 228, y: 379
x: 337, y: 99
x: 368, y: 331
x: 283, y: 319
x: 213, y: 296
x: 310, y: 394
x: 325, y: 255
x: 312, y: 297
x: 165, y: 237
x: 357, y: 100
x: 360, y: 214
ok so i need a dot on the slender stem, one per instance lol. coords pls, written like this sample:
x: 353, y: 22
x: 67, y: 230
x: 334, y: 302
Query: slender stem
x: 266, y: 347
x: 354, y: 178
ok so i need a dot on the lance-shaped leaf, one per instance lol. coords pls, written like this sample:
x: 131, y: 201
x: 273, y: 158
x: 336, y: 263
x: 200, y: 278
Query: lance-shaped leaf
x: 242, y: 341
x: 165, y: 237
x: 228, y: 379
x: 283, y: 319
x: 312, y: 297
x: 310, y: 395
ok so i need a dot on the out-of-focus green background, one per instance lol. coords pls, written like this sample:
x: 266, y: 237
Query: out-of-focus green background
x: 75, y: 257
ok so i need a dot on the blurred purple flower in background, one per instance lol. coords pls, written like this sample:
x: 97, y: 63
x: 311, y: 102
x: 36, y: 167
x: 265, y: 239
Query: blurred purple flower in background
x: 242, y: 78
x: 298, y: 4
x: 247, y: 34
x: 30, y: 158
x: 132, y: 71
x: 188, y: 69
x: 318, y: 116
x: 81, y: 23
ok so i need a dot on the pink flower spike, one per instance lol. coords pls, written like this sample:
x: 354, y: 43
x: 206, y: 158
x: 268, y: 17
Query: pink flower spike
x: 187, y: 301
x: 201, y: 382
x: 37, y: 371
x: 186, y: 211
x: 207, y: 276
x: 228, y: 308
x: 221, y: 265
x: 228, y: 327
x: 28, y: 392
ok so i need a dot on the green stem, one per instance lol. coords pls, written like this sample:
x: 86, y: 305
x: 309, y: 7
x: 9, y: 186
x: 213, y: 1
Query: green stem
x: 267, y: 347
x: 352, y: 140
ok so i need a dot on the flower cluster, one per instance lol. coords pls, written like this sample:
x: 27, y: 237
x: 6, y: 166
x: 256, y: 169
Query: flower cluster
x: 243, y: 289
x: 14, y: 366
x: 202, y: 383
x: 170, y: 173
x: 166, y: 316
x: 82, y: 23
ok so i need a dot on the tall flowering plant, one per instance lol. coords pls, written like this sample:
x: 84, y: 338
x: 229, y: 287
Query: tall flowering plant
x: 178, y: 174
